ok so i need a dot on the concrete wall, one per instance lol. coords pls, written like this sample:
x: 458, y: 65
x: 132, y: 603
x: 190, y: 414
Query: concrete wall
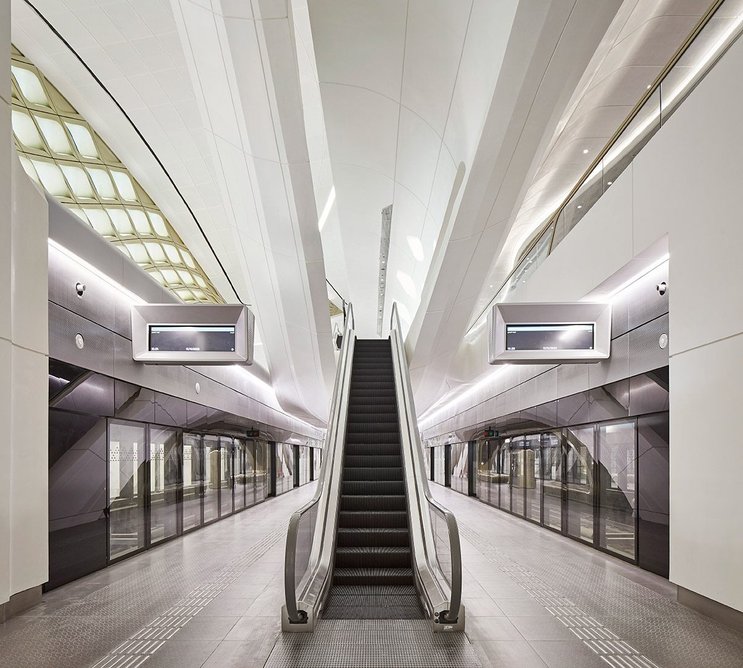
x: 23, y: 360
x: 683, y: 189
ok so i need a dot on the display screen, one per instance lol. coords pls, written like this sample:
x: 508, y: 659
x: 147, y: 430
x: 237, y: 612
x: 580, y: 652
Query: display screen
x: 192, y: 338
x: 549, y: 337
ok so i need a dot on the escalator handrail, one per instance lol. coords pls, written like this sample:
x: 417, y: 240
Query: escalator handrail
x: 412, y: 435
x: 294, y: 614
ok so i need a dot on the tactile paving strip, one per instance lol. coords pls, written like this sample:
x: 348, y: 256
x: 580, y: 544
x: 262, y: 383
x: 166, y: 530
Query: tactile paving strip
x: 373, y: 644
x: 148, y: 640
x: 601, y: 640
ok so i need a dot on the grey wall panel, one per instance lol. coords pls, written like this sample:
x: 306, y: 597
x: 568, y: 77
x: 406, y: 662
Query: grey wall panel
x: 98, y: 300
x: 646, y: 351
x: 615, y: 368
x: 572, y: 378
x: 645, y: 302
x: 99, y: 342
x: 619, y: 316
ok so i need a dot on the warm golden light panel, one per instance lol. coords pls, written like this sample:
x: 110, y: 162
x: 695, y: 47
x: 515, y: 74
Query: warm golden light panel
x: 60, y: 150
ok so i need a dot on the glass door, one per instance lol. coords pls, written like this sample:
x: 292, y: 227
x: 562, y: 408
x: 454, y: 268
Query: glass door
x: 552, y: 480
x: 262, y: 467
x: 193, y: 477
x: 165, y: 483
x: 211, y: 478
x: 127, y: 455
x: 226, y: 481
x: 617, y: 488
x: 503, y: 474
x: 532, y: 483
x: 579, y: 478
x: 520, y: 472
x: 240, y: 476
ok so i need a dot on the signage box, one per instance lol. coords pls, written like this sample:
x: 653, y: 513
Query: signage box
x: 549, y: 333
x: 192, y: 334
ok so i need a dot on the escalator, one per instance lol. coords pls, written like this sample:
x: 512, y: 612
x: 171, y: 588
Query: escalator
x: 372, y: 543
x: 373, y: 575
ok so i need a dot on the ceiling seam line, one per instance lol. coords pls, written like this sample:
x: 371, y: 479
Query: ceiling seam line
x: 144, y: 140
x: 448, y: 115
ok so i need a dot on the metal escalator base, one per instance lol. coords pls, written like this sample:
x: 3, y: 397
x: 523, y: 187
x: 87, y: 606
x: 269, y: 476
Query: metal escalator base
x: 373, y: 602
x: 367, y: 643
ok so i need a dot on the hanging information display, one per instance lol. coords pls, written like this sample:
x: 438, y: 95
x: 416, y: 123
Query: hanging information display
x: 549, y: 333
x: 192, y: 334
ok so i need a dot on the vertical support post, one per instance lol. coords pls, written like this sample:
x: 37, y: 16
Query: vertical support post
x: 272, y: 468
x: 447, y: 465
x: 471, y: 468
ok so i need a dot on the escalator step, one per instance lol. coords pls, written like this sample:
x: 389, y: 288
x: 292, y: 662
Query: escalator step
x: 373, y: 502
x: 356, y: 473
x: 369, y: 556
x: 371, y: 451
x: 370, y: 536
x: 379, y: 488
x: 384, y: 437
x: 388, y: 417
x: 373, y: 576
x: 362, y: 519
x: 352, y: 460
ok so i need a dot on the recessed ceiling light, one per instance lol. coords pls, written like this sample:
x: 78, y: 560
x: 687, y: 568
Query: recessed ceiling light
x: 580, y: 206
x: 585, y: 150
x: 608, y: 183
x: 649, y: 86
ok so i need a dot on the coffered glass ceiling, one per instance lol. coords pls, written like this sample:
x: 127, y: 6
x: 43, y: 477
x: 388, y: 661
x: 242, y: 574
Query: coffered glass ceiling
x: 60, y: 150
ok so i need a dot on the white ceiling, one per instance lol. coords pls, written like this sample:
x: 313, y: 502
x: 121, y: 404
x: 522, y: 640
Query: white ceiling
x: 275, y: 117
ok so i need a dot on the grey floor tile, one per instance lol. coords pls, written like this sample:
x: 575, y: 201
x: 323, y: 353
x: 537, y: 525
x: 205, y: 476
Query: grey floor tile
x: 542, y: 628
x: 255, y: 628
x: 491, y: 628
x: 227, y: 607
x: 524, y: 607
x: 189, y: 654
x: 206, y: 628
x: 482, y: 607
x: 566, y: 654
x: 508, y: 654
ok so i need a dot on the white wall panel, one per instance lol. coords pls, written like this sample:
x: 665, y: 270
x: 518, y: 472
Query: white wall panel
x: 706, y: 460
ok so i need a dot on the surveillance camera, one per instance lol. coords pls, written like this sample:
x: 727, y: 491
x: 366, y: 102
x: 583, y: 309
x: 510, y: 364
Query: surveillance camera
x: 661, y: 288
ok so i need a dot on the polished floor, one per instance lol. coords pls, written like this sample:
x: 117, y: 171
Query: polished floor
x: 212, y: 599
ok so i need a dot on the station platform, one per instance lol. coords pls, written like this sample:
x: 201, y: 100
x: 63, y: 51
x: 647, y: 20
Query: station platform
x: 213, y: 599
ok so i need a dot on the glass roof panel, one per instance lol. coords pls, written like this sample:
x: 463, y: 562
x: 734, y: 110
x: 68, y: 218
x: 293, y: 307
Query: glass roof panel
x: 90, y: 180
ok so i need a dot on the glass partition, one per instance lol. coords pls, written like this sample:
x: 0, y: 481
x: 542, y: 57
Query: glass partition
x: 617, y: 448
x: 503, y: 475
x: 317, y: 463
x: 240, y: 474
x: 211, y: 478
x: 165, y: 482
x: 193, y: 477
x: 533, y: 479
x: 579, y: 478
x: 126, y: 491
x: 552, y: 480
x: 226, y: 481
x: 262, y: 468
x: 459, y: 463
x: 284, y: 467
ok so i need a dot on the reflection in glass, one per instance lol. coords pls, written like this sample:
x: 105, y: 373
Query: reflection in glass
x: 304, y: 464
x: 579, y: 478
x: 165, y: 482
x: 251, y: 471
x: 211, y: 478
x: 193, y: 476
x: 240, y: 475
x: 261, y: 470
x: 617, y: 488
x: 485, y: 471
x: 503, y: 475
x: 317, y: 464
x: 552, y: 480
x: 127, y: 455
x: 459, y: 467
x: 533, y: 478
x: 284, y: 467
x: 225, y: 477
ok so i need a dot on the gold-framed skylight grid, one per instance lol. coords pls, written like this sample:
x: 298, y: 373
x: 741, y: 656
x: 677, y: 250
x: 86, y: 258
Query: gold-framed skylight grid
x: 61, y: 151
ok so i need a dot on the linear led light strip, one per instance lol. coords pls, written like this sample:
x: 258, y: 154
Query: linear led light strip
x: 384, y: 253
